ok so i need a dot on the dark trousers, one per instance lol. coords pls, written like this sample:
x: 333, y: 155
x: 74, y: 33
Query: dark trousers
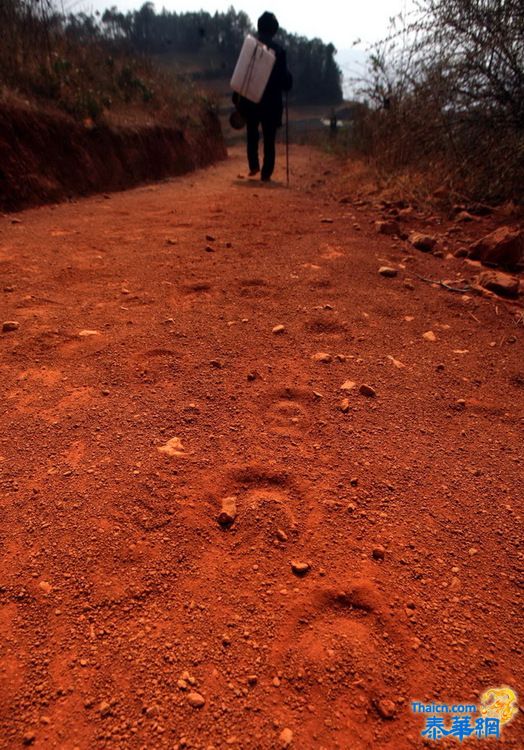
x: 269, y: 133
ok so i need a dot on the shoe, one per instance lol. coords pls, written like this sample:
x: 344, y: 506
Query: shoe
x: 265, y: 178
x: 253, y: 172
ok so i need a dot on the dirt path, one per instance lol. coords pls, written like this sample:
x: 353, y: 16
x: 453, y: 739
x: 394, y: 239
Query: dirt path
x: 121, y: 596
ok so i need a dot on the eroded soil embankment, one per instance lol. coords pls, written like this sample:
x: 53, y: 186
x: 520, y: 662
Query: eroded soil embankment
x: 49, y: 157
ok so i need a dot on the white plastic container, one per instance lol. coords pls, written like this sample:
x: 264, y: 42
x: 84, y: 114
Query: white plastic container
x: 253, y: 68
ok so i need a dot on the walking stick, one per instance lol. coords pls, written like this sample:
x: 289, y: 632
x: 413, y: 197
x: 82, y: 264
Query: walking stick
x: 287, y: 142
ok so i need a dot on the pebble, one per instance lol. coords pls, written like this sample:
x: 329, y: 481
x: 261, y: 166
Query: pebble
x: 9, y: 288
x: 344, y: 405
x: 89, y: 332
x: 10, y: 325
x: 387, y: 227
x: 386, y: 709
x: 300, y: 568
x: 279, y: 329
x: 281, y: 535
x: 429, y: 336
x: 196, y: 700
x: 424, y: 242
x: 348, y: 385
x: 388, y: 272
x: 473, y: 551
x: 28, y: 738
x: 323, y: 357
x: 45, y: 586
x: 367, y: 390
x: 228, y: 512
x: 396, y: 362
x: 173, y: 447
x: 378, y: 552
x: 409, y: 285
x: 286, y: 737
x: 209, y: 249
x: 104, y: 709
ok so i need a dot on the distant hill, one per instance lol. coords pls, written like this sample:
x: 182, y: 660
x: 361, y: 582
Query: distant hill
x: 207, y: 45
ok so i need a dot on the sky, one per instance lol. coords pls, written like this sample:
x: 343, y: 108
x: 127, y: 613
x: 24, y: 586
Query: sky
x: 336, y: 21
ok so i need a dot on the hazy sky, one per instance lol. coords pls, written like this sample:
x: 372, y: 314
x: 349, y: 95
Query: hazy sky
x: 332, y: 20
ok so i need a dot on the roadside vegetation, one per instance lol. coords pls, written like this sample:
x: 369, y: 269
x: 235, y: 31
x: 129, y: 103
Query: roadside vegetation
x: 445, y: 96
x: 69, y: 62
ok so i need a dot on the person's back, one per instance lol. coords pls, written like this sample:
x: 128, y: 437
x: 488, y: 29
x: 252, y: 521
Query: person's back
x: 280, y: 80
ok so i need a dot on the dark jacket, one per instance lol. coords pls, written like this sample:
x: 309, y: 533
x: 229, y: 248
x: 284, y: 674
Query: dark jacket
x: 270, y: 107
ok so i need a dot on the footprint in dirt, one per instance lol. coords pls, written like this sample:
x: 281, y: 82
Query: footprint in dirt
x: 197, y: 287
x: 347, y: 654
x: 191, y: 293
x: 287, y: 410
x: 275, y: 512
x: 254, y: 288
x: 267, y: 501
x: 270, y: 503
x: 326, y: 326
x: 156, y: 365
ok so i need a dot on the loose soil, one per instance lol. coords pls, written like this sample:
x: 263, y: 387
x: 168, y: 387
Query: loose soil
x: 129, y: 616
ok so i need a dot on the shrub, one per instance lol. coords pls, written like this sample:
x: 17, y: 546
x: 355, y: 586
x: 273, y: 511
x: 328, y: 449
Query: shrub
x: 447, y: 97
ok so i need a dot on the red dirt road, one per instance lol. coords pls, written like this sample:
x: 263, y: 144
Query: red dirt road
x: 123, y: 602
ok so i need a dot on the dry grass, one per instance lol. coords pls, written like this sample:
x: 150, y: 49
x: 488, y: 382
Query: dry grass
x: 446, y: 101
x: 46, y: 60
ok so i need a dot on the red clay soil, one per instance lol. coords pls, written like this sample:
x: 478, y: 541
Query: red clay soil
x: 47, y: 156
x: 129, y: 617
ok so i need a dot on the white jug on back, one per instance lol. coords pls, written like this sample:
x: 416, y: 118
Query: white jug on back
x: 253, y: 69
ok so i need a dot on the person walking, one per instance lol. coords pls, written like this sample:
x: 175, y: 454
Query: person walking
x: 267, y: 114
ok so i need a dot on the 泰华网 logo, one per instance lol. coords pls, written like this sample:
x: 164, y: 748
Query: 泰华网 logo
x: 498, y: 706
